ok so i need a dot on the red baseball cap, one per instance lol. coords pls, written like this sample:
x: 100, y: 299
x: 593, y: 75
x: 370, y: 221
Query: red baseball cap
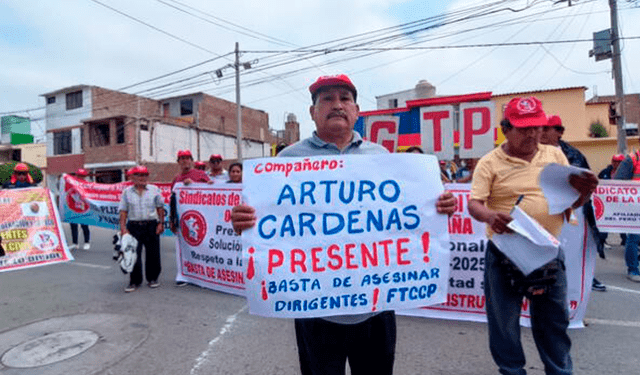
x: 140, y: 169
x: 132, y: 171
x: 215, y: 157
x: 525, y: 112
x: 617, y: 157
x: 554, y: 120
x: 337, y: 80
x: 82, y: 172
x: 200, y: 164
x: 21, y: 167
x: 184, y: 153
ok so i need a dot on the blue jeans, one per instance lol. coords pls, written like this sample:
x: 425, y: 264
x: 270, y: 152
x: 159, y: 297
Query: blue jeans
x: 631, y: 253
x: 549, y: 321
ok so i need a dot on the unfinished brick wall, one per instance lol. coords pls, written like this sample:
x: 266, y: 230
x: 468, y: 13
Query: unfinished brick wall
x: 162, y: 172
x: 113, y: 152
x: 219, y: 115
x: 631, y: 106
x: 109, y: 103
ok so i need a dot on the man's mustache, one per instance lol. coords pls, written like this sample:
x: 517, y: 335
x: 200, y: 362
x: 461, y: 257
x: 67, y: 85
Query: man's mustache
x: 337, y: 114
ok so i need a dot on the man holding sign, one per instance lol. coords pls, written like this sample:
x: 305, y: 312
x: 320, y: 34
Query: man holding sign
x: 505, y: 177
x: 366, y: 340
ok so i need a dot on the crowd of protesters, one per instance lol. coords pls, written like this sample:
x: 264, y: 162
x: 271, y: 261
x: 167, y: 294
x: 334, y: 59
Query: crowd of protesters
x: 368, y: 341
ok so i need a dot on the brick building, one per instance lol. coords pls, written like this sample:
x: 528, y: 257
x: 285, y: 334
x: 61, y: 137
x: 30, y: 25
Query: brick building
x: 631, y: 110
x: 108, y: 132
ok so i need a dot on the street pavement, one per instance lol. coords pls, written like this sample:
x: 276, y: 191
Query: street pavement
x: 75, y: 318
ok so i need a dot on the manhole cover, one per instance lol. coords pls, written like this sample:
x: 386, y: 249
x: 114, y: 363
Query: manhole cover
x: 48, y: 349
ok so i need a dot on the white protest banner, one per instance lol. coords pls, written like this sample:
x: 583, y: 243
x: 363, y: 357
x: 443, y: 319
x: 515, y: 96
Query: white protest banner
x: 344, y: 235
x: 92, y: 203
x: 466, y: 301
x: 208, y: 251
x: 617, y: 206
x: 465, y: 297
x: 30, y: 229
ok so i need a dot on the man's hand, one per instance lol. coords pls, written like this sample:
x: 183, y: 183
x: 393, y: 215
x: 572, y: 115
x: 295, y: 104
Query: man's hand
x: 187, y: 181
x: 447, y: 203
x: 498, y: 222
x: 159, y: 228
x: 123, y: 231
x: 243, y: 217
x: 172, y: 227
x: 585, y: 183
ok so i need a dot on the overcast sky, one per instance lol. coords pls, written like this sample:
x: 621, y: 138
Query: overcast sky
x: 48, y: 45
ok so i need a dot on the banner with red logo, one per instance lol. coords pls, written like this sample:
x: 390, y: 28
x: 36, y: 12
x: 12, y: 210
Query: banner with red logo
x: 617, y: 206
x: 91, y: 203
x: 341, y: 235
x: 30, y: 230
x: 208, y: 251
x: 465, y: 298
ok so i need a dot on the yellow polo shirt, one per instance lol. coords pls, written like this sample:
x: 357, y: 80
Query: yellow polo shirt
x: 500, y: 179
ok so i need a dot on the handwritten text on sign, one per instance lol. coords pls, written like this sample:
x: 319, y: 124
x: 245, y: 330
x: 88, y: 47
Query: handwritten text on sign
x: 356, y: 234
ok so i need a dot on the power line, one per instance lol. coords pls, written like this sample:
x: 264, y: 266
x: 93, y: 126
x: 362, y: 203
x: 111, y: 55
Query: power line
x: 176, y: 71
x: 247, y: 32
x: 155, y: 28
x: 339, y: 45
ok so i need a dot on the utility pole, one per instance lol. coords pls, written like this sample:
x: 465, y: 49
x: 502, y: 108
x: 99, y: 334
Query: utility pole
x: 617, y: 76
x: 239, y: 108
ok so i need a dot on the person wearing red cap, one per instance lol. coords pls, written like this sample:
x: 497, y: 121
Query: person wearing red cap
x: 82, y: 174
x: 200, y: 165
x: 20, y: 178
x: 142, y: 215
x: 217, y: 172
x: 552, y: 135
x: 504, y: 177
x: 366, y: 341
x: 187, y: 175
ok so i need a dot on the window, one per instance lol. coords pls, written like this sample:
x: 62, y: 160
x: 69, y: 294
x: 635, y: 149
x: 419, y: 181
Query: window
x: 186, y: 107
x: 82, y: 139
x: 99, y: 135
x: 62, y: 143
x: 393, y: 103
x: 16, y: 155
x: 74, y: 100
x: 120, y: 131
x: 51, y: 100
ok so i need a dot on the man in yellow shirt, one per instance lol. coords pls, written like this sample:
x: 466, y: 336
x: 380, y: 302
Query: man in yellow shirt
x: 499, y: 180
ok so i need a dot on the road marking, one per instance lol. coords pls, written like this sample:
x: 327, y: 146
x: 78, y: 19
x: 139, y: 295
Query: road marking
x: 89, y: 265
x: 620, y: 323
x: 623, y: 289
x: 202, y: 358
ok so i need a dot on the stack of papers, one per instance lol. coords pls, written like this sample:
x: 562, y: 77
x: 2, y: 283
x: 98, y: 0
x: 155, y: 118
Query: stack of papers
x: 530, y: 246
